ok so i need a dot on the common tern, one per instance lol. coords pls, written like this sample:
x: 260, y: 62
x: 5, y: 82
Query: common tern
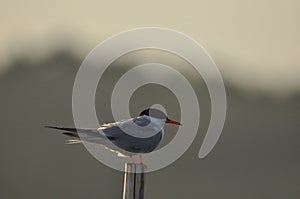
x: 112, y: 136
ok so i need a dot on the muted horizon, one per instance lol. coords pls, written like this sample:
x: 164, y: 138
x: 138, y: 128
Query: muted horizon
x: 253, y: 44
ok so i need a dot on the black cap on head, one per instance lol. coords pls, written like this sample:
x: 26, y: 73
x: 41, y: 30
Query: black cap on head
x: 155, y: 113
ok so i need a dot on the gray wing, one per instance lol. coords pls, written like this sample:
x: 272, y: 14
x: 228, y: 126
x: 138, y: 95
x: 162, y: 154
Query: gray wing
x: 107, y: 130
x: 112, y: 130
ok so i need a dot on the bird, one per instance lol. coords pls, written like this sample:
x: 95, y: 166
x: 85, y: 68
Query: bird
x: 112, y: 135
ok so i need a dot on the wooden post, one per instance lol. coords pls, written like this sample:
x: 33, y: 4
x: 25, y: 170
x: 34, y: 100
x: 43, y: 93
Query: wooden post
x: 134, y: 181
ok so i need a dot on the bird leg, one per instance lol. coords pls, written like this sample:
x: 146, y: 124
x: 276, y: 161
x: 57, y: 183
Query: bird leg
x: 131, y: 159
x: 141, y: 159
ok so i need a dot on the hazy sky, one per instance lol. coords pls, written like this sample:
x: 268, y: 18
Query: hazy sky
x: 255, y: 43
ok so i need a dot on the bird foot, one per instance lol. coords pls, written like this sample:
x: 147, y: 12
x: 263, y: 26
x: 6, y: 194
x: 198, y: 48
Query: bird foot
x: 131, y: 159
x: 141, y: 159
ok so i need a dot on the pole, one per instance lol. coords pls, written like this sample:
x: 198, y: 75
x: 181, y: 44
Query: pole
x: 134, y: 180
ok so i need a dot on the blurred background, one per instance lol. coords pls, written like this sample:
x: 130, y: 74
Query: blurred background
x: 255, y: 45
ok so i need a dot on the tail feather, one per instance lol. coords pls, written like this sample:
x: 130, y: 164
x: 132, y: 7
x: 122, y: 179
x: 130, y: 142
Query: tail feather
x: 74, y: 141
x: 62, y: 128
x: 84, y: 135
x: 74, y: 132
x: 71, y: 134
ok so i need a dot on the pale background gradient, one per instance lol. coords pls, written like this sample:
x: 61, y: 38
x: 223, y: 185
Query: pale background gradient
x: 249, y: 40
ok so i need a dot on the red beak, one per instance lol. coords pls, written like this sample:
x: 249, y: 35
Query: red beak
x: 169, y: 121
